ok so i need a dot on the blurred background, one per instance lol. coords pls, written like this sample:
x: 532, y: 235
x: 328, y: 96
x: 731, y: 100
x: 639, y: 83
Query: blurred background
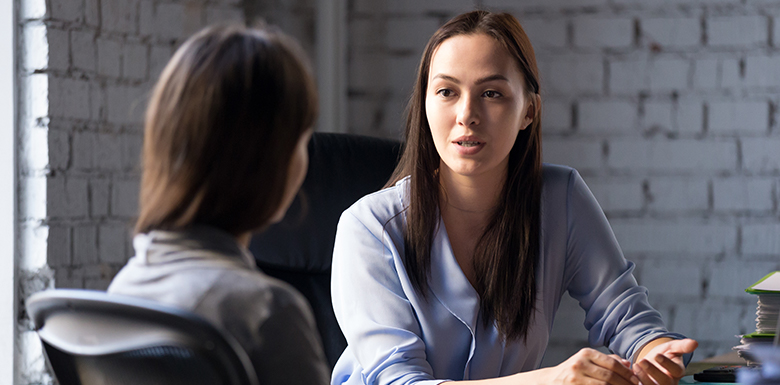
x: 668, y: 108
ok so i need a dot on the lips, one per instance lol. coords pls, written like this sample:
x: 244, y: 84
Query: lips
x: 468, y: 145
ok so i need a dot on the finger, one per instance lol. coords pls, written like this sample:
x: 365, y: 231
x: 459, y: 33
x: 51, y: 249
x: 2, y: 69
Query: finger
x: 658, y: 376
x: 644, y: 378
x: 673, y: 367
x: 622, y: 360
x: 607, y: 376
x: 614, y: 365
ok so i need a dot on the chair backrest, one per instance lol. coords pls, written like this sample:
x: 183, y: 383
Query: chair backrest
x: 342, y: 169
x: 91, y: 337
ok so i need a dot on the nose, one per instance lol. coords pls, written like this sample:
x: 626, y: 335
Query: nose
x: 468, y: 112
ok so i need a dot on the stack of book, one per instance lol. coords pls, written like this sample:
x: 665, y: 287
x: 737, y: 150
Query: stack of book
x: 767, y: 290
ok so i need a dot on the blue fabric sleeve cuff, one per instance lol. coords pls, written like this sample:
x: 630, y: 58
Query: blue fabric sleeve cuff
x: 677, y: 336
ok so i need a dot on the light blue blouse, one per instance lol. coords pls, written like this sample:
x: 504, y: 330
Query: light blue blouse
x: 395, y: 336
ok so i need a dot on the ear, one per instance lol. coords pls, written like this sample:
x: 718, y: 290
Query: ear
x: 531, y: 111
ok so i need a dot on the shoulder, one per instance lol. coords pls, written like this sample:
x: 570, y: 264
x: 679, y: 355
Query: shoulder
x: 557, y: 179
x: 247, y: 287
x: 379, y: 207
x: 553, y: 174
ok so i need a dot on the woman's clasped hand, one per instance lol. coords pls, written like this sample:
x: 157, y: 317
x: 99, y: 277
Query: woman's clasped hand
x: 663, y: 362
x: 591, y: 367
x: 661, y: 365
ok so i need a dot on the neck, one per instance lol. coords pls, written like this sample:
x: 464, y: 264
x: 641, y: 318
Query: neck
x: 471, y: 195
x: 243, y: 239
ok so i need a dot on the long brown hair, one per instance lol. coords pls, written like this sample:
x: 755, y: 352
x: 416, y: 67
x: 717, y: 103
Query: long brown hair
x: 221, y: 127
x: 507, y: 252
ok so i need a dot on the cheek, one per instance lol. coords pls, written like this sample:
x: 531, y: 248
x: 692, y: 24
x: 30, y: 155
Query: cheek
x: 437, y: 120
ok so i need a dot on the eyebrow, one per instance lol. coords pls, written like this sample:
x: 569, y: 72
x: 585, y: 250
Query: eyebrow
x: 479, y: 81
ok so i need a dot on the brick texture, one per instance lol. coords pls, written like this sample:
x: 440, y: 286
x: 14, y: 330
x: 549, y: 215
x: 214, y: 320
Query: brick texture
x: 670, y: 113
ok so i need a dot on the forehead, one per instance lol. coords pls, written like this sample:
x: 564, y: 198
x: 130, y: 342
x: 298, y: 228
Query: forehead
x: 474, y: 55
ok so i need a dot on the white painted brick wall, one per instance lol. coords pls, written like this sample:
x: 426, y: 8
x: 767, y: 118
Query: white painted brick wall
x: 85, y: 250
x: 125, y: 104
x: 607, y: 115
x: 705, y: 74
x: 124, y: 198
x: 109, y: 57
x: 676, y: 32
x: 59, y: 149
x: 618, y: 195
x: 678, y: 194
x: 682, y: 155
x: 410, y: 33
x: 556, y: 116
x: 574, y: 74
x: 99, y: 197
x: 71, y: 10
x: 690, y: 116
x: 69, y: 98
x: 613, y: 32
x: 58, y: 59
x: 760, y: 154
x: 762, y: 71
x: 83, y: 50
x: 119, y: 16
x: 731, y: 76
x: 738, y: 115
x: 61, y: 256
x: 761, y: 239
x: 628, y: 75
x: 223, y: 14
x: 67, y: 197
x: 135, y: 61
x: 669, y: 74
x: 744, y: 194
x: 168, y: 20
x: 547, y: 33
x: 672, y: 239
x: 585, y: 154
x: 683, y: 281
x: 742, y: 31
x: 111, y: 243
x: 658, y: 116
x: 732, y: 277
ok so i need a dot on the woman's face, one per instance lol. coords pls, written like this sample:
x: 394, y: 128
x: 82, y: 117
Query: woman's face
x: 476, y: 104
x: 295, y: 175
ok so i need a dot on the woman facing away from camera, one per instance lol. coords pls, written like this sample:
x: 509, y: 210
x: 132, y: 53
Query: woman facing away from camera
x: 225, y: 152
x: 455, y: 270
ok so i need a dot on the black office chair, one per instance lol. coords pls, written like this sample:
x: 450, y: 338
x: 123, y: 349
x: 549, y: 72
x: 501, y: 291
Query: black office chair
x: 342, y: 169
x: 90, y: 337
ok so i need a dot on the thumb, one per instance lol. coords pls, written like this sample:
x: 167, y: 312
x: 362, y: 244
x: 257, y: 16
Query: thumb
x: 681, y: 346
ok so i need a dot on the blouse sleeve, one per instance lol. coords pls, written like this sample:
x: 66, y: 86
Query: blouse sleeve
x: 618, y: 314
x: 372, y: 308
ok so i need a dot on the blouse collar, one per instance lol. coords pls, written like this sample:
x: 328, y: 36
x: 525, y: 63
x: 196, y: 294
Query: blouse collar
x: 196, y: 243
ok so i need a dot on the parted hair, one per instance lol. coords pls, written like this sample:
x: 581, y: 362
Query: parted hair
x: 507, y: 252
x: 221, y: 127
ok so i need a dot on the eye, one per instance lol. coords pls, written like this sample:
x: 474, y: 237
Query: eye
x: 445, y: 92
x: 490, y: 94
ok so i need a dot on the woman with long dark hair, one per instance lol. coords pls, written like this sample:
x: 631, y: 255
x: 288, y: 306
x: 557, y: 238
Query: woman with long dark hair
x: 455, y: 270
x: 225, y: 152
